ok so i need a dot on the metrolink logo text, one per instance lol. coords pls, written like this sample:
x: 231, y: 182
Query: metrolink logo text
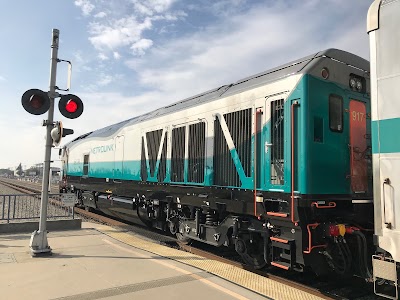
x: 102, y: 149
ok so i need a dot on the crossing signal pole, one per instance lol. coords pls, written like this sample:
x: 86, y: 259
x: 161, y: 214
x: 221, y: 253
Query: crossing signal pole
x: 38, y: 243
x: 37, y: 102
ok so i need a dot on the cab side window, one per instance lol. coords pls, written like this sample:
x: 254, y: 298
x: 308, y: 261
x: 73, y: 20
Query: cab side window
x: 335, y: 113
x: 86, y: 165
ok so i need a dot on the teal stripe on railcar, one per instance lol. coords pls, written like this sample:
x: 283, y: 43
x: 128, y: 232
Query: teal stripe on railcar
x: 75, y: 169
x: 209, y: 174
x: 388, y: 141
x: 101, y: 170
x: 131, y: 170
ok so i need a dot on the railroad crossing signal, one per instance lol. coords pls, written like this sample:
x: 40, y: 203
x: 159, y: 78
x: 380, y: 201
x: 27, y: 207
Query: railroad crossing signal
x: 70, y: 106
x: 35, y: 101
x: 58, y: 132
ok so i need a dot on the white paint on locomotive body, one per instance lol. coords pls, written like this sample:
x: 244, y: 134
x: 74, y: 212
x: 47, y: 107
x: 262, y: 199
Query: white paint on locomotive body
x: 206, y: 112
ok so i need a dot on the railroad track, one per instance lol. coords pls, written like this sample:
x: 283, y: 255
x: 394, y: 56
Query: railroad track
x: 26, y: 186
x: 328, y: 289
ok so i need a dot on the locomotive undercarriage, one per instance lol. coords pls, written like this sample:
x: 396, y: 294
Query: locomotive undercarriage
x: 215, y: 227
x: 318, y: 240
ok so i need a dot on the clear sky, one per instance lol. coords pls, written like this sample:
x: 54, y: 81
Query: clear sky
x: 133, y: 56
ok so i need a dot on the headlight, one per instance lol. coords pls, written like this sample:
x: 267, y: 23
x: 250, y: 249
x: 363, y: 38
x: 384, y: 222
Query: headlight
x: 353, y: 83
x: 359, y: 85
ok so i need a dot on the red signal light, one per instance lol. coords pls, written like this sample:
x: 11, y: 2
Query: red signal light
x: 71, y: 106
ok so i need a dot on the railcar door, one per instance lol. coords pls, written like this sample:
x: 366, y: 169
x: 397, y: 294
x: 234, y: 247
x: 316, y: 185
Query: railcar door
x: 118, y: 170
x: 358, y: 146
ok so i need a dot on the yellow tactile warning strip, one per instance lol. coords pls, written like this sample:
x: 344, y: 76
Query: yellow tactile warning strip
x: 259, y: 284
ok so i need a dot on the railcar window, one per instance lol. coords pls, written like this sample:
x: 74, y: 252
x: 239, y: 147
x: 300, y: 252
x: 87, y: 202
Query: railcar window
x: 336, y: 113
x: 86, y: 165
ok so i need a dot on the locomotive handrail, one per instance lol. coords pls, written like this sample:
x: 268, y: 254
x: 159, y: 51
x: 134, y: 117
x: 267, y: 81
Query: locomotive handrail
x: 385, y: 182
x: 256, y: 113
x: 330, y: 205
x: 310, y: 246
x: 294, y: 104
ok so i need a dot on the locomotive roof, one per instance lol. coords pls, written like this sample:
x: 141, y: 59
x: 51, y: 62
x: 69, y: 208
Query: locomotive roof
x: 303, y: 65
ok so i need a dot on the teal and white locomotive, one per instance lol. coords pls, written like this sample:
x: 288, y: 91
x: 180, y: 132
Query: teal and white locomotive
x: 276, y: 165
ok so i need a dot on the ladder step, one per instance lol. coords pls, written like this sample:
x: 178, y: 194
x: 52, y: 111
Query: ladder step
x: 281, y: 264
x: 276, y: 214
x: 281, y: 239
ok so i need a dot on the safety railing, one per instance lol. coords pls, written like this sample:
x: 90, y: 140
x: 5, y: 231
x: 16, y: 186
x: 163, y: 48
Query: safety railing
x: 14, y: 208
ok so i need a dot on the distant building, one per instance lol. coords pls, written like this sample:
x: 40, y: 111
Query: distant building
x: 55, y: 171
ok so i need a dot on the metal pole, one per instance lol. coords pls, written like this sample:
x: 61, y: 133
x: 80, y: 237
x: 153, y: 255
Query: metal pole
x: 50, y: 175
x: 38, y: 243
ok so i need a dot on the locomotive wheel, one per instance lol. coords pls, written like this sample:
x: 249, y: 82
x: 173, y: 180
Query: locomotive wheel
x: 252, y: 255
x: 182, y: 239
x: 255, y: 260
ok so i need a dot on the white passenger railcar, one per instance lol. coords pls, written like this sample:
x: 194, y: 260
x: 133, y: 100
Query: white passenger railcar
x: 384, y: 33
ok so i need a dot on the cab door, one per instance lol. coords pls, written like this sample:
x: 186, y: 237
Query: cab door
x: 358, y: 146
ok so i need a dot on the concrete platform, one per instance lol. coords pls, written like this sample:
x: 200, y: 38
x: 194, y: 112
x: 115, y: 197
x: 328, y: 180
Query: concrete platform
x: 30, y: 226
x: 99, y: 262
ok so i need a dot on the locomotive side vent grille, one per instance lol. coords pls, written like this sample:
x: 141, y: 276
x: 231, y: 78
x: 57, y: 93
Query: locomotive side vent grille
x: 277, y: 139
x: 153, y: 144
x: 178, y: 154
x: 239, y: 125
x: 197, y: 139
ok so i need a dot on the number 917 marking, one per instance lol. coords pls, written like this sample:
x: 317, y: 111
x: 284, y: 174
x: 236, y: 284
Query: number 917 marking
x: 358, y: 116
